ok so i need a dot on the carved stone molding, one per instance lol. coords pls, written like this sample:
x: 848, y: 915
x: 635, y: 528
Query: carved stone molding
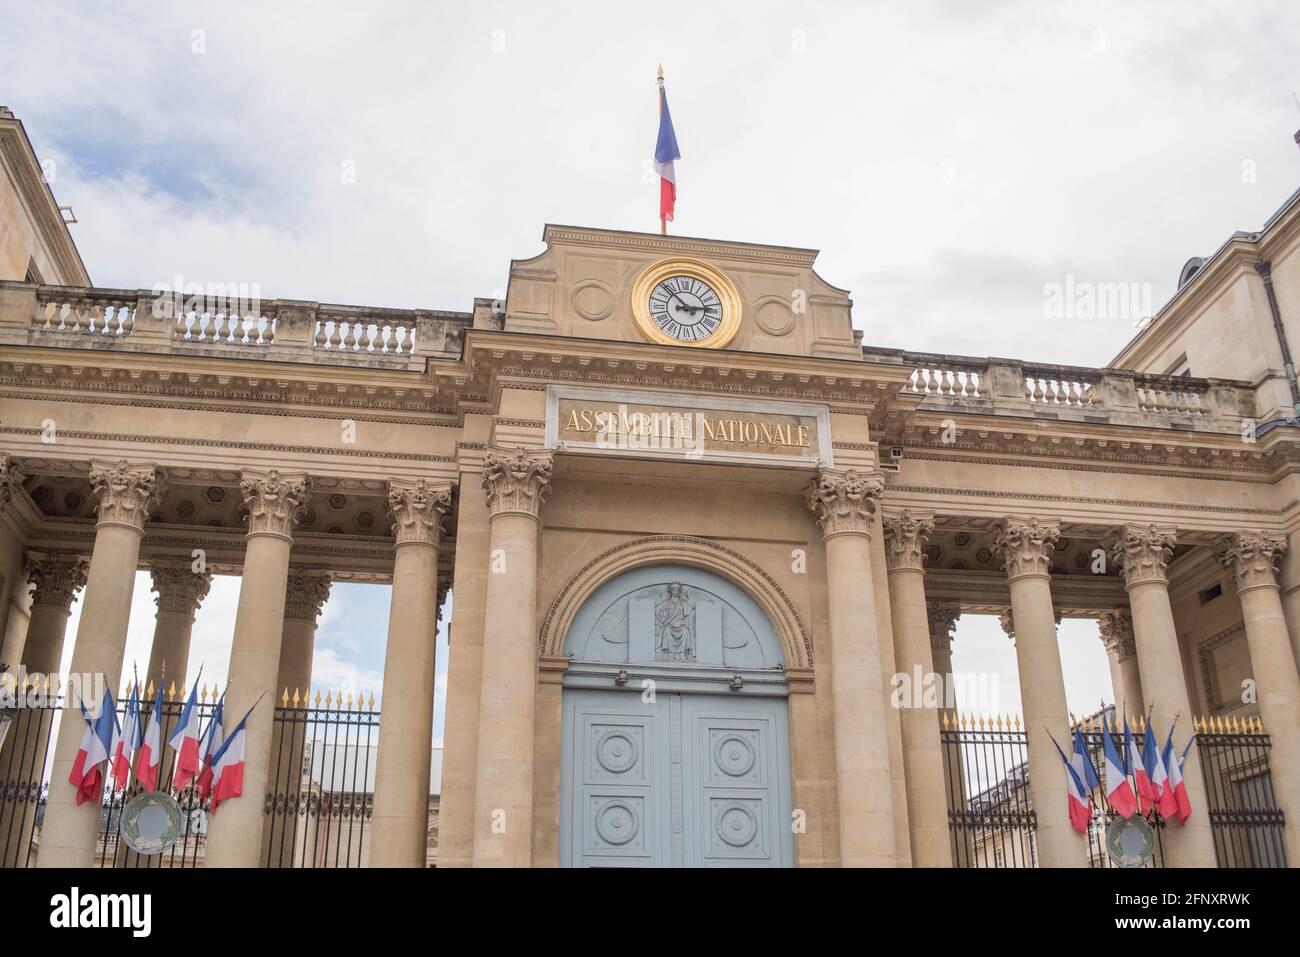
x: 306, y: 595
x: 1117, y: 633
x: 418, y: 509
x: 943, y: 625
x: 516, y: 480
x: 1026, y: 546
x: 1008, y: 625
x: 180, y: 589
x: 1143, y: 552
x: 125, y: 493
x: 1253, y: 557
x: 274, y: 501
x: 844, y: 502
x: 441, y: 600
x: 906, y: 534
x: 11, y: 479
x: 56, y: 580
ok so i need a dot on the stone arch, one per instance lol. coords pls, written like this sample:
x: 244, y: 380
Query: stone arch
x: 701, y: 553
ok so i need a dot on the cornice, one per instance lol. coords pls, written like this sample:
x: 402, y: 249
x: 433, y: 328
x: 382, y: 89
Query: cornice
x: 656, y: 244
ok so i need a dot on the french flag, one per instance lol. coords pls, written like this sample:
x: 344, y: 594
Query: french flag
x: 1119, y: 792
x: 185, y: 742
x: 1174, y: 786
x: 1077, y: 797
x: 1156, y: 770
x: 92, y: 756
x: 212, y: 741
x: 228, y: 776
x: 666, y: 153
x: 1081, y: 761
x: 146, y: 766
x: 131, y: 737
x: 1133, y: 759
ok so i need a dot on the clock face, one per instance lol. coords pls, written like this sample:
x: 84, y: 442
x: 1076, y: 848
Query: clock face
x: 685, y: 308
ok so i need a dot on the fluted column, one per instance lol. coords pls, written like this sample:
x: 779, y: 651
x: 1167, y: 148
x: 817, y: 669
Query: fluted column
x: 274, y: 502
x: 1026, y: 547
x: 844, y: 503
x: 1143, y: 553
x: 906, y: 534
x: 1116, y: 629
x: 125, y: 495
x: 55, y: 582
x: 516, y: 482
x: 1253, y: 558
x: 942, y: 621
x: 179, y: 592
x: 14, y: 606
x: 401, y: 816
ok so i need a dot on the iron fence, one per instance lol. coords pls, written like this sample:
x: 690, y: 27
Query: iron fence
x: 1244, y: 815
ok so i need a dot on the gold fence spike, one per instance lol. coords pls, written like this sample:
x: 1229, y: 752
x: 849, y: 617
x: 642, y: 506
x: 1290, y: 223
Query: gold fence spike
x: 294, y: 699
x: 284, y: 697
x: 370, y: 702
x: 171, y: 692
x: 150, y: 689
x: 349, y: 700
x: 318, y: 698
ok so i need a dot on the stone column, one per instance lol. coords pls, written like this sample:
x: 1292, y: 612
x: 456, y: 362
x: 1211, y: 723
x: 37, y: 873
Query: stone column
x: 22, y: 761
x: 844, y: 503
x: 125, y: 495
x: 14, y: 598
x: 516, y: 482
x: 1117, y: 635
x: 942, y: 622
x: 1253, y: 557
x: 399, y: 833
x: 1143, y: 552
x: 927, y: 805
x: 180, y: 591
x: 274, y: 502
x: 1026, y: 547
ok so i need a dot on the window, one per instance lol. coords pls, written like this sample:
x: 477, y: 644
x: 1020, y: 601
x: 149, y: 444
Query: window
x: 1209, y: 594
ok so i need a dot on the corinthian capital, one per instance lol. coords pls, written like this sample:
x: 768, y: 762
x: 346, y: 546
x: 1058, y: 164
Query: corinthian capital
x: 1143, y: 552
x: 418, y: 509
x: 180, y: 589
x: 274, y: 501
x: 306, y: 595
x: 1117, y: 633
x: 125, y: 493
x: 943, y: 622
x: 11, y: 479
x: 906, y: 533
x: 1026, y: 546
x: 844, y: 502
x: 516, y: 480
x: 1253, y: 558
x: 56, y: 580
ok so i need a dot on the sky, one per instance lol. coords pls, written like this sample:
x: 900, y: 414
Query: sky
x: 954, y: 161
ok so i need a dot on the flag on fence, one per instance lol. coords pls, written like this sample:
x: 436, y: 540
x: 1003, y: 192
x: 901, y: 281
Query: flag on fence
x: 92, y: 756
x: 185, y: 741
x: 146, y: 766
x: 212, y: 741
x: 1159, y: 774
x: 1175, y: 787
x: 130, y: 739
x: 1077, y: 797
x: 228, y: 778
x: 1118, y: 791
x: 666, y: 152
x: 1081, y: 761
x: 1134, y: 761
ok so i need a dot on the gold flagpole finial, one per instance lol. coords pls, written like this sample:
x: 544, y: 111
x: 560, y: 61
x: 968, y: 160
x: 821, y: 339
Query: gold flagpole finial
x: 660, y: 74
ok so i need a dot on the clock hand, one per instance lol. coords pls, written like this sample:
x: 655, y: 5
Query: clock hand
x: 690, y: 309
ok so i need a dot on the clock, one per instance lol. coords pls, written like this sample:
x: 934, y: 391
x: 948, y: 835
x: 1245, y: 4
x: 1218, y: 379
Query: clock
x: 685, y: 302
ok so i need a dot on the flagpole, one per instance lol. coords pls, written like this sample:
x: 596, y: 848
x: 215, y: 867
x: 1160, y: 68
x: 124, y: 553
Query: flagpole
x: 663, y: 223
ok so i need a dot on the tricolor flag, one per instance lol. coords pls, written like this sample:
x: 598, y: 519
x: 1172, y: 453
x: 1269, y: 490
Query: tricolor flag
x: 185, y: 741
x: 212, y: 741
x: 1081, y: 761
x: 228, y: 776
x: 1155, y: 766
x: 1118, y: 791
x: 146, y: 766
x: 1133, y: 761
x: 1077, y: 797
x: 92, y: 756
x: 1175, y: 786
x: 131, y: 737
x: 666, y: 153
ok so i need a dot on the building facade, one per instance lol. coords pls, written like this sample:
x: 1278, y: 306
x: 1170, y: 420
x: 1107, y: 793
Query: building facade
x: 693, y: 527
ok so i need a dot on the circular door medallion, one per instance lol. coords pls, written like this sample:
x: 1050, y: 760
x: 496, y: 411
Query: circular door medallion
x: 616, y: 752
x: 617, y: 822
x: 736, y: 825
x: 685, y: 302
x: 734, y: 755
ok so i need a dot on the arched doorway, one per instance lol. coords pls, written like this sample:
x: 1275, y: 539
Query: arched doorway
x: 675, y: 748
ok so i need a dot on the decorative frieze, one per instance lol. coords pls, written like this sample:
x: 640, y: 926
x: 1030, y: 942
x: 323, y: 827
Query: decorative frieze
x: 11, y: 479
x: 180, y: 589
x: 943, y: 625
x: 906, y: 534
x: 56, y: 580
x: 305, y: 595
x: 845, y: 501
x: 1026, y: 546
x: 418, y: 509
x: 274, y: 501
x: 125, y: 493
x: 1253, y: 557
x: 1143, y: 553
x: 1117, y: 633
x: 516, y: 480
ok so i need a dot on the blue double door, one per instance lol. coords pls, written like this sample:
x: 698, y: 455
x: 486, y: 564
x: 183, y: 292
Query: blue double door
x: 683, y: 780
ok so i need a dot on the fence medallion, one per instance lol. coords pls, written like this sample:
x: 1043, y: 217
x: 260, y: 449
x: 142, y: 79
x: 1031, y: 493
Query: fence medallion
x: 1131, y: 842
x: 151, y: 822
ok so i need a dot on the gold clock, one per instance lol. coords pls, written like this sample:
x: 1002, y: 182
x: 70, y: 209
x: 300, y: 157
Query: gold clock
x: 686, y: 302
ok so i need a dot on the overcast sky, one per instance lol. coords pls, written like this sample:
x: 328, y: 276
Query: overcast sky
x: 950, y: 159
